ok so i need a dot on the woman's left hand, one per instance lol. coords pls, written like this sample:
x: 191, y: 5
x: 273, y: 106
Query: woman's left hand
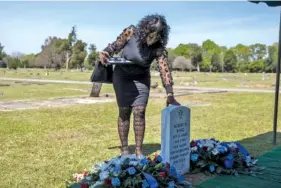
x: 171, y: 100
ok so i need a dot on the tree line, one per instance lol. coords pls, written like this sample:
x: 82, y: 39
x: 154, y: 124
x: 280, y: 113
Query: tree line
x: 71, y: 52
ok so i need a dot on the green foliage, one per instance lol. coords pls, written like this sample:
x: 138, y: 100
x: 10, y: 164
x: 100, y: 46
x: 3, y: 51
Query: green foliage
x: 79, y: 54
x: 154, y: 65
x: 258, y: 51
x: 209, y: 48
x: 271, y: 61
x: 256, y: 66
x: 13, y: 63
x: 2, y: 53
x: 182, y: 50
x: 216, y: 63
x: 93, y: 55
x: 230, y: 61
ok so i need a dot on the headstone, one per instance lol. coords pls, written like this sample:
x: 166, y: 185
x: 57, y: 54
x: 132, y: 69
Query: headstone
x: 96, y: 88
x: 175, y: 137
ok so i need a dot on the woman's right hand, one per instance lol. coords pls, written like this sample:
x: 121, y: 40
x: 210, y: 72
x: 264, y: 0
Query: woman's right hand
x: 103, y: 56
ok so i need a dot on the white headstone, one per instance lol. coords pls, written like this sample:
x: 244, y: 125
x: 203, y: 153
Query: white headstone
x: 175, y: 137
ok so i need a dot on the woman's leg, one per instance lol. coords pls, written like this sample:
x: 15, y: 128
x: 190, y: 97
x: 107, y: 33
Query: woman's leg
x: 139, y: 127
x: 123, y: 128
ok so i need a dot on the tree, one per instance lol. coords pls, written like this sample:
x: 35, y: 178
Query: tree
x: 258, y: 51
x: 209, y: 48
x: 216, y: 62
x: 230, y: 61
x: 182, y: 50
x: 223, y: 49
x: 49, y: 57
x: 65, y: 46
x: 171, y: 55
x: 93, y: 55
x: 256, y: 66
x: 2, y: 53
x: 13, y: 62
x: 195, y: 52
x: 271, y: 61
x: 79, y: 54
x: 182, y: 63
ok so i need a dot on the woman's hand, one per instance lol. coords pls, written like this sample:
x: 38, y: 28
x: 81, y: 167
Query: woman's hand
x: 103, y: 56
x: 171, y: 100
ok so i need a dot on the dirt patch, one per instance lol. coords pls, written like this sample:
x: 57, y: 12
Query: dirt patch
x: 4, y: 85
x: 32, y: 104
x: 197, y: 178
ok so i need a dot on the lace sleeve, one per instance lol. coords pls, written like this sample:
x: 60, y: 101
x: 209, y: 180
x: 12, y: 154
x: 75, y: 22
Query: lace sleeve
x: 164, y: 70
x: 117, y: 45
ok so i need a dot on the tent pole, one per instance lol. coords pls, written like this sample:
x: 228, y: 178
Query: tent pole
x: 277, y: 86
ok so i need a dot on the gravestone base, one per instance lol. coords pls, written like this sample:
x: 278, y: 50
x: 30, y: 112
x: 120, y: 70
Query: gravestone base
x: 175, y: 137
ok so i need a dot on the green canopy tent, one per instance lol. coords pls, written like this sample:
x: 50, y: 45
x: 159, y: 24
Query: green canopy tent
x: 275, y: 4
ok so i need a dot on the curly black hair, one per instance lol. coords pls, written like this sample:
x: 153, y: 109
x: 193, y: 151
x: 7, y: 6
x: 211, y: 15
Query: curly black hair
x: 144, y: 27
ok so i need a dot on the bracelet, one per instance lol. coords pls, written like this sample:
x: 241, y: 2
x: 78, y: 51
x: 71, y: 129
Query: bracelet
x: 170, y: 94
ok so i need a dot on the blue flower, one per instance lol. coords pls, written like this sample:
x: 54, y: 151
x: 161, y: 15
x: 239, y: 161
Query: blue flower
x: 144, y: 184
x: 229, y: 156
x: 144, y: 161
x: 221, y: 149
x: 171, y: 184
x: 116, y: 170
x: 180, y: 178
x: 159, y: 158
x: 211, y: 168
x: 115, y: 182
x: 173, y: 171
x: 248, y: 159
x: 194, y: 157
x: 131, y: 170
x: 228, y: 163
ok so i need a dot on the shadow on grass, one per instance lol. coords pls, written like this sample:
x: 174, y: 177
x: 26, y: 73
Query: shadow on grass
x: 262, y: 143
x: 256, y: 145
x: 147, y: 148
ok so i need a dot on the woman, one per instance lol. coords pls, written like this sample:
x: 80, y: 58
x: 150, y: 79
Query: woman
x: 141, y: 45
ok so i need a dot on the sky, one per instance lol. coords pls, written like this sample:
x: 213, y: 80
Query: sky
x: 25, y: 25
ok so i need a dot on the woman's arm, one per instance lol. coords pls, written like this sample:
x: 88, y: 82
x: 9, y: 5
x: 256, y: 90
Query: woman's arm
x: 166, y: 75
x: 164, y: 69
x: 117, y: 45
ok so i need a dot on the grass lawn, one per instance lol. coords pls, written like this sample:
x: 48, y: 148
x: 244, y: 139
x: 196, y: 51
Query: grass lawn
x: 18, y: 91
x: 180, y: 78
x: 42, y: 148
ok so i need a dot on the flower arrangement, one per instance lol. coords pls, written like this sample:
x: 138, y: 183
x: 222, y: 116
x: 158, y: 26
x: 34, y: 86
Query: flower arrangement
x: 208, y: 155
x: 213, y: 156
x: 128, y: 171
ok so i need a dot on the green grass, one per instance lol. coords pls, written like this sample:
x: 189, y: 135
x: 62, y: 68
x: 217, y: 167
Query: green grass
x: 203, y: 79
x: 53, y: 75
x: 42, y: 148
x: 18, y: 91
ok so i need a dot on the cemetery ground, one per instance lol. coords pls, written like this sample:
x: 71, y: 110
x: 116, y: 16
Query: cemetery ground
x: 44, y: 147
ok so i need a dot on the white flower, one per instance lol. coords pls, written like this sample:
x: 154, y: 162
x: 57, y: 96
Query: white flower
x: 104, y: 175
x: 232, y: 145
x: 209, y: 145
x: 193, y: 148
x: 104, y: 166
x: 88, y: 178
x: 134, y: 163
x: 215, y: 151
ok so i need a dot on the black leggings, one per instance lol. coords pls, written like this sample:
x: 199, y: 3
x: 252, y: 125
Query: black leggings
x: 124, y: 127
